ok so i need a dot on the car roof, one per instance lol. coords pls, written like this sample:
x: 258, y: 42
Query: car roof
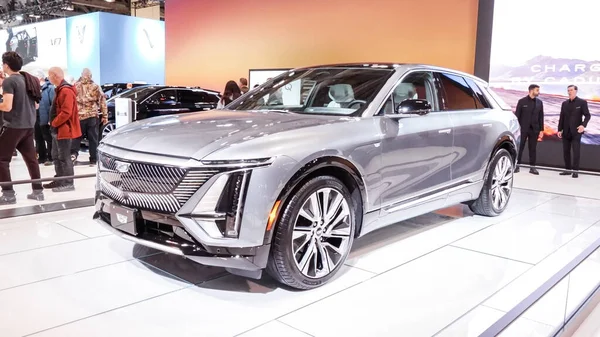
x: 162, y: 86
x: 394, y: 67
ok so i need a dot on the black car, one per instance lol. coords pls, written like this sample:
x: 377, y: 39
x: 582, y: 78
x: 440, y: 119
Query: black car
x: 159, y: 100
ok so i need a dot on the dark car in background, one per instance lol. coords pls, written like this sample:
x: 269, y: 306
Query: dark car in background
x: 160, y: 100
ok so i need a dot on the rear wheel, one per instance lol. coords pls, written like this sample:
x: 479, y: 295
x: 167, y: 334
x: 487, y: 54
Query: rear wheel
x: 314, y: 234
x: 498, y: 186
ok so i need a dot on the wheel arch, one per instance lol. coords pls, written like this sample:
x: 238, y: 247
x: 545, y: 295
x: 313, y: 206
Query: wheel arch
x: 507, y: 142
x: 343, y: 169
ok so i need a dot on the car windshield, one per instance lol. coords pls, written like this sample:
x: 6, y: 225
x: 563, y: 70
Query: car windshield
x: 325, y: 91
x: 135, y: 93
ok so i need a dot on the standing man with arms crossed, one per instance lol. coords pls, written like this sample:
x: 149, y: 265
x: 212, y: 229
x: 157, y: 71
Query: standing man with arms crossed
x: 64, y: 120
x: 90, y: 101
x: 17, y: 128
x: 574, y: 118
x: 530, y: 112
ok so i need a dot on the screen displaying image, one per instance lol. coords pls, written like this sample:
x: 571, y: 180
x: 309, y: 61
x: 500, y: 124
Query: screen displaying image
x: 534, y: 42
x: 41, y: 45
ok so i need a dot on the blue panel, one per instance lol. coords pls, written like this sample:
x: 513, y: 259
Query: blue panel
x: 131, y: 49
x: 83, y: 45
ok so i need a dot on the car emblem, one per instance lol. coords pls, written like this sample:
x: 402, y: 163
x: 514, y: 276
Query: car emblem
x: 122, y: 167
x: 122, y: 218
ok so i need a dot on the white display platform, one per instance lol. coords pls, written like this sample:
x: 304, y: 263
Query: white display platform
x: 446, y: 274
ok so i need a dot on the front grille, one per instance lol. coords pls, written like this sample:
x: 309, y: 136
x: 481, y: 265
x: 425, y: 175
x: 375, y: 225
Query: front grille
x: 148, y: 186
x: 140, y: 177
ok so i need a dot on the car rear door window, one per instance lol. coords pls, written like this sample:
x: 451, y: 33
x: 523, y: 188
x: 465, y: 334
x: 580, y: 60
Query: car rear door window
x: 189, y: 97
x: 457, y: 94
x: 195, y: 99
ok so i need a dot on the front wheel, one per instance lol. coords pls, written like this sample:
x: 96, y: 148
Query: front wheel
x: 106, y: 129
x: 313, y: 235
x: 498, y: 186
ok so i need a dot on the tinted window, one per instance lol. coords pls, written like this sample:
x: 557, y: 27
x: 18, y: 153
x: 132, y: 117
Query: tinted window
x: 499, y: 100
x: 480, y: 100
x: 196, y: 97
x: 457, y: 93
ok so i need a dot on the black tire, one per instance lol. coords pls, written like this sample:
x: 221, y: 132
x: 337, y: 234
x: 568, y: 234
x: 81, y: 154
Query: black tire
x: 484, y: 205
x: 282, y: 265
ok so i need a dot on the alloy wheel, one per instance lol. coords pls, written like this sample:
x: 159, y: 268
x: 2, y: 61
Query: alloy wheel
x: 322, y: 233
x: 108, y: 128
x: 502, y: 182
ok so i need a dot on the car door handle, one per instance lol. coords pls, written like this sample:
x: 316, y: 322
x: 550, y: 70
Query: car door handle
x: 445, y: 131
x: 488, y: 125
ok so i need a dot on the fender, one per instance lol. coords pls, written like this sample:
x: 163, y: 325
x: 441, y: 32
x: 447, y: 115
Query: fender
x: 312, y: 167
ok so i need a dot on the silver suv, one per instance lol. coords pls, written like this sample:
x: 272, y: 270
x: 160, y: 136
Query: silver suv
x: 293, y: 171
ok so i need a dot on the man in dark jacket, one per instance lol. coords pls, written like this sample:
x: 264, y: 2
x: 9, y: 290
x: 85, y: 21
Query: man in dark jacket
x: 64, y: 120
x: 574, y: 118
x: 530, y: 112
x: 43, y: 138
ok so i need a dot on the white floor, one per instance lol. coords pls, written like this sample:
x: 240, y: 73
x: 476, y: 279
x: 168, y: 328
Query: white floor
x: 591, y: 326
x: 444, y: 274
x: 84, y: 187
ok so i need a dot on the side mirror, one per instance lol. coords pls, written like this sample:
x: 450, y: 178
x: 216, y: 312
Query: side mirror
x: 418, y: 107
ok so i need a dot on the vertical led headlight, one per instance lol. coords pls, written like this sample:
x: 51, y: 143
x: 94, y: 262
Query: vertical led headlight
x: 221, y: 209
x: 232, y: 203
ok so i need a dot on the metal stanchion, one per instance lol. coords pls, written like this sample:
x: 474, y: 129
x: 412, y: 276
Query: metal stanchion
x: 43, y: 180
x: 50, y: 206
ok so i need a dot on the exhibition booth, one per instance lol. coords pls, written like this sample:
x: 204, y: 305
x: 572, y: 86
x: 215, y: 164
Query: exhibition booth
x: 533, y: 270
x: 116, y: 48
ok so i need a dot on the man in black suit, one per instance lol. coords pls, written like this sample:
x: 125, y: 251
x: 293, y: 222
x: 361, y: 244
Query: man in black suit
x: 574, y: 118
x: 530, y: 112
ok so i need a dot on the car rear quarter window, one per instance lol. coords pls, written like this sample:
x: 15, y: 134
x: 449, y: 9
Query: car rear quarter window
x: 458, y: 95
x: 501, y: 103
x: 480, y: 100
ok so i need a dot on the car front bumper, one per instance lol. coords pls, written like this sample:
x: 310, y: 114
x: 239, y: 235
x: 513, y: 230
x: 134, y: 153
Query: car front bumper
x: 161, y: 233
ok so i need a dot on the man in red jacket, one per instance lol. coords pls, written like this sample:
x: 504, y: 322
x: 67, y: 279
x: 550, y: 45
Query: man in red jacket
x: 65, y: 126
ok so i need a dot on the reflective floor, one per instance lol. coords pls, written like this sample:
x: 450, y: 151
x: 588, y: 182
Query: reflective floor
x: 445, y: 274
x: 84, y: 187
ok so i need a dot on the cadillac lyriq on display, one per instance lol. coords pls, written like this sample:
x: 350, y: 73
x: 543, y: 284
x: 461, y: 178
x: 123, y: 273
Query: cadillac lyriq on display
x: 290, y: 174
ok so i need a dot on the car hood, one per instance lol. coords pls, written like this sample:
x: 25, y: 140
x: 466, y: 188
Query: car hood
x: 196, y: 135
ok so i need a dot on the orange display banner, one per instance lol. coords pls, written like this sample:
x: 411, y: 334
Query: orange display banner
x: 212, y: 41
